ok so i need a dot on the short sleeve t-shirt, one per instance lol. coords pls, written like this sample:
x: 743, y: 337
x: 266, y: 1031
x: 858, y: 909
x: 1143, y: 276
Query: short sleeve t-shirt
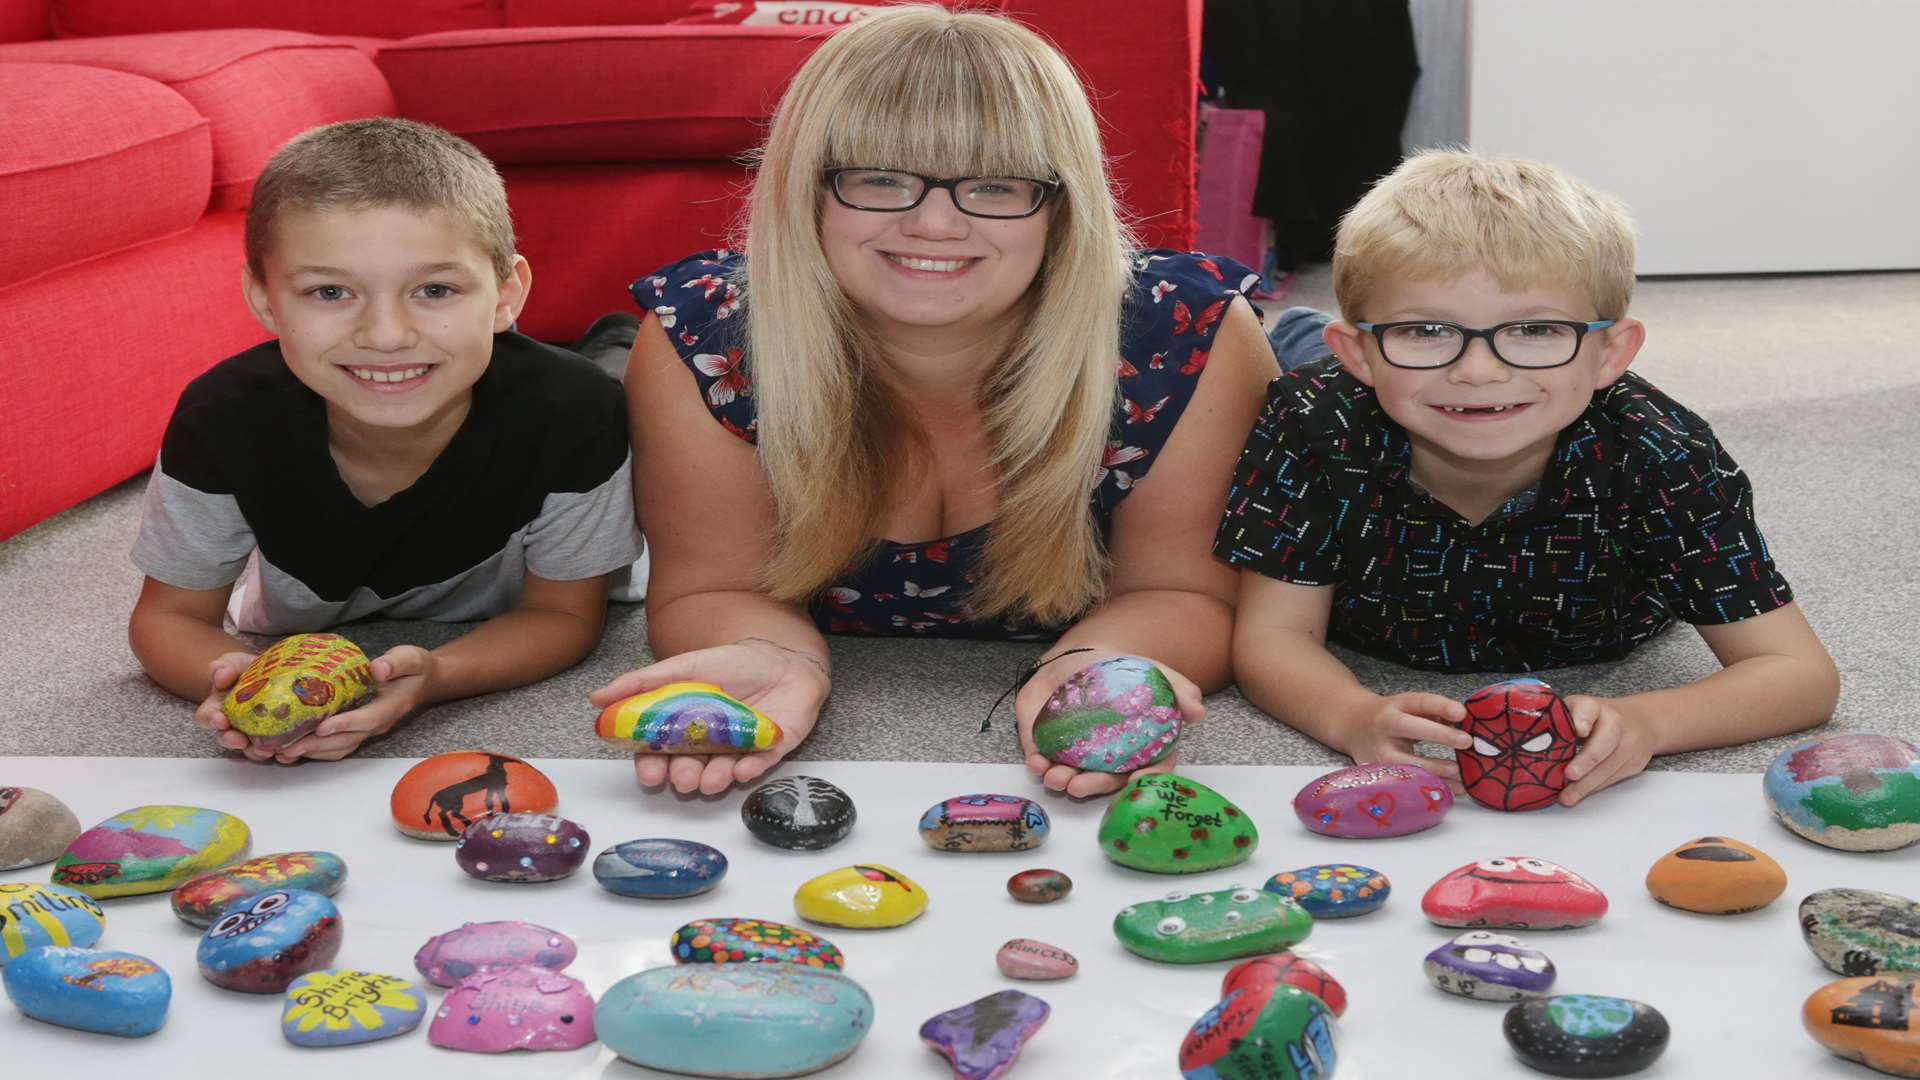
x: 245, y: 491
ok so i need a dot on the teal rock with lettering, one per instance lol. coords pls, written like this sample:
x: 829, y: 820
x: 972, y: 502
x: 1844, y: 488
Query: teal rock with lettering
x: 32, y: 915
x: 734, y: 1020
x: 1168, y: 824
x: 1196, y: 928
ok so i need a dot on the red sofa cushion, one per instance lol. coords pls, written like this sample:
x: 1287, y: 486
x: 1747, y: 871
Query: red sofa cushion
x: 367, y: 18
x: 103, y: 160
x: 593, y: 12
x: 24, y: 20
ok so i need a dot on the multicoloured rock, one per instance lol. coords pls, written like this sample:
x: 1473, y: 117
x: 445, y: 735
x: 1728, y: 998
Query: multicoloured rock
x: 1025, y: 958
x: 202, y: 900
x: 340, y: 1007
x: 298, y: 682
x: 747, y: 1020
x: 1862, y: 932
x: 1516, y: 892
x: 1491, y: 967
x: 1716, y: 876
x: 985, y: 823
x: 1333, y: 890
x: 475, y: 947
x: 522, y: 848
x: 982, y: 1038
x: 260, y: 945
x: 863, y: 897
x: 1196, y: 928
x: 113, y: 993
x: 1852, y: 792
x: 1523, y: 741
x: 441, y: 797
x: 32, y: 915
x: 1039, y: 886
x: 1374, y: 800
x: 1284, y: 967
x: 151, y: 849
x: 686, y: 718
x: 1168, y: 824
x: 751, y: 941
x: 517, y: 1008
x: 1586, y: 1035
x: 35, y: 827
x: 659, y: 869
x: 1873, y: 1020
x: 1274, y: 1031
x: 799, y: 813
x: 1114, y: 716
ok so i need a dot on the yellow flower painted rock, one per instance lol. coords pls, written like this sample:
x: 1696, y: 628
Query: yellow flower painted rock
x: 686, y: 718
x: 863, y: 897
x: 298, y: 682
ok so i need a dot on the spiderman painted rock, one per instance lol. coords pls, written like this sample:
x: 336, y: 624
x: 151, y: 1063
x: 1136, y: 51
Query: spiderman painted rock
x: 1373, y: 800
x: 1523, y: 740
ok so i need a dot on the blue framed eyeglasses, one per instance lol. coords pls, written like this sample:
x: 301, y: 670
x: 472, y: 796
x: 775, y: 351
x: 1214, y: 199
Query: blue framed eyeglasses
x: 1523, y: 343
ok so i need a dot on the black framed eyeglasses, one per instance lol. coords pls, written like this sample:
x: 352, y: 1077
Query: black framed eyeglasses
x: 892, y: 191
x: 1523, y: 343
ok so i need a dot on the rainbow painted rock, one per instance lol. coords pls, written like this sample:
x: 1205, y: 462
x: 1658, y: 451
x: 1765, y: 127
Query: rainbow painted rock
x: 752, y: 941
x: 486, y: 946
x: 1334, y: 890
x: 341, y: 1007
x: 1039, y: 886
x: 517, y: 1008
x: 202, y: 900
x: 1852, y: 792
x: 985, y: 823
x: 1873, y: 1020
x: 1586, y: 1035
x: 686, y: 718
x: 32, y: 915
x: 1515, y: 892
x: 113, y: 993
x: 35, y: 827
x: 1275, y: 1031
x: 1115, y: 716
x: 982, y: 1038
x: 1285, y: 967
x: 1168, y: 824
x: 1716, y: 876
x: 1197, y: 928
x: 1377, y: 800
x: 659, y: 869
x: 441, y: 797
x: 862, y: 897
x: 1861, y: 932
x: 745, y: 1020
x: 522, y: 848
x: 1523, y: 741
x: 260, y: 945
x: 298, y: 682
x: 1491, y: 967
x: 151, y: 849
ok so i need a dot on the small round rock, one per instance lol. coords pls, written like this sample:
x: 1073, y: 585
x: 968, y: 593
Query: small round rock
x: 1025, y: 958
x: 1039, y: 886
x: 799, y: 813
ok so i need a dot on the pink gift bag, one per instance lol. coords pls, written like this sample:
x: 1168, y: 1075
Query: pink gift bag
x: 1229, y: 171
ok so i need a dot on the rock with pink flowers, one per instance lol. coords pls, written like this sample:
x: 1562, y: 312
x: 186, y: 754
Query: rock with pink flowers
x: 518, y: 1008
x: 1114, y: 716
x: 1514, y: 892
x: 1025, y: 958
x: 1375, y: 800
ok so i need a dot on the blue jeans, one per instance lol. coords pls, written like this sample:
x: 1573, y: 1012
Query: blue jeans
x: 1295, y: 336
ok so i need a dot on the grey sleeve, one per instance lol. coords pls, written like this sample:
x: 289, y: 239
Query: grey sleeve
x: 588, y: 533
x: 190, y: 539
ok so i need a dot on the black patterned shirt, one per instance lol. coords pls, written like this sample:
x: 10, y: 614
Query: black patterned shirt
x: 1640, y: 516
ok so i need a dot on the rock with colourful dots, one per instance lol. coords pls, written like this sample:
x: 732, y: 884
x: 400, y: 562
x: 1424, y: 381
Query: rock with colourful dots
x: 522, y: 847
x: 1168, y: 824
x: 1333, y: 890
x: 1523, y: 741
x: 1374, y: 800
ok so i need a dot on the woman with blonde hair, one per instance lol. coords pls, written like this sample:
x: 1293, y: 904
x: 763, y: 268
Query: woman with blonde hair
x: 937, y: 394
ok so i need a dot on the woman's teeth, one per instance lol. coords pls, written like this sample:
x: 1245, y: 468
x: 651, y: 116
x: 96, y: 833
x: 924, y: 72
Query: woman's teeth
x: 939, y: 265
x: 402, y: 375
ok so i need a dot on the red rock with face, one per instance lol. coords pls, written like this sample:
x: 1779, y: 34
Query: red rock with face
x: 1514, y: 892
x: 1523, y: 740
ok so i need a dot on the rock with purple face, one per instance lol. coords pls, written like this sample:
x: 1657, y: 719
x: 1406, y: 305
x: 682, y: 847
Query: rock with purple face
x: 982, y: 1038
x: 521, y: 847
x: 447, y: 958
x: 518, y: 1008
x: 1375, y: 800
x: 1489, y: 966
x: 1114, y: 716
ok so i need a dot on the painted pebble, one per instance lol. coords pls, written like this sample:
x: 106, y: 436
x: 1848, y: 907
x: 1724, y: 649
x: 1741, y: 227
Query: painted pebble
x: 202, y: 900
x: 1376, y: 800
x: 1196, y: 928
x: 1114, y: 716
x: 1285, y: 967
x: 1516, y: 892
x: 475, y: 947
x: 1716, y: 876
x: 1274, y: 1031
x: 1491, y: 967
x: 338, y: 1007
x: 261, y: 944
x: 1039, y: 886
x: 517, y: 1008
x: 748, y: 941
x: 1586, y: 1035
x: 863, y: 897
x: 686, y: 718
x: 1333, y: 891
x: 1037, y: 961
x: 799, y: 813
x: 296, y: 683
x: 1861, y: 932
x: 441, y: 797
x: 1852, y: 792
x: 113, y: 993
x: 522, y: 848
x: 659, y: 869
x: 1168, y: 824
x: 35, y: 827
x: 750, y: 1020
x: 985, y: 823
x: 982, y: 1038
x: 1873, y: 1020
x: 151, y: 849
x: 1523, y: 741
x: 32, y: 915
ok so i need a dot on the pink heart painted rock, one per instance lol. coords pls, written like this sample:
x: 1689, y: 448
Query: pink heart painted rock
x: 1374, y: 800
x: 519, y: 1008
x: 1514, y: 892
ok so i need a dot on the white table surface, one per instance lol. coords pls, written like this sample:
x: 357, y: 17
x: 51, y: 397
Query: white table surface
x: 1730, y: 986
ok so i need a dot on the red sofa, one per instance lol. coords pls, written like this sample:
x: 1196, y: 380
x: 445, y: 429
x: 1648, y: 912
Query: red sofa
x: 134, y: 130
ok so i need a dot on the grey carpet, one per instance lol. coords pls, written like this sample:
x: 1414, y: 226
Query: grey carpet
x: 1813, y: 383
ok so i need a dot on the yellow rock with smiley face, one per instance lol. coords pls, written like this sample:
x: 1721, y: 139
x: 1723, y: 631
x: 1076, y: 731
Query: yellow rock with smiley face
x: 862, y: 897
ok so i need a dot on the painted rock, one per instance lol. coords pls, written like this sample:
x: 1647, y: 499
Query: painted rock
x: 522, y: 848
x: 1168, y: 824
x: 746, y: 941
x: 659, y: 869
x: 441, y: 797
x: 1514, y: 893
x: 1197, y: 928
x: 338, y: 1007
x: 1376, y: 800
x: 1873, y: 1020
x: 1585, y: 1035
x: 1039, y: 886
x: 981, y: 1038
x: 1284, y: 967
x: 113, y: 993
x: 863, y: 897
x: 1861, y: 932
x: 799, y: 813
x: 1333, y: 891
x: 686, y: 718
x: 1852, y: 792
x: 151, y: 849
x: 261, y: 944
x: 1274, y: 1031
x: 1523, y: 741
x: 985, y: 823
x: 750, y: 1020
x: 516, y: 1008
x: 1716, y: 876
x: 1025, y: 958
x: 202, y: 900
x: 1489, y: 966
x: 35, y: 827
x: 32, y: 915
x: 447, y: 958
x: 298, y: 682
x: 1115, y: 716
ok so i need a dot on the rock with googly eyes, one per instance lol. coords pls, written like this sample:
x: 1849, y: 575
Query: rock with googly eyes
x: 261, y: 946
x: 1197, y: 928
x: 1514, y: 892
x: 1491, y: 967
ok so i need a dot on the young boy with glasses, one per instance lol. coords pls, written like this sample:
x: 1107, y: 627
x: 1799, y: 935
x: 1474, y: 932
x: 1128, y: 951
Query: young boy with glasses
x: 1475, y: 482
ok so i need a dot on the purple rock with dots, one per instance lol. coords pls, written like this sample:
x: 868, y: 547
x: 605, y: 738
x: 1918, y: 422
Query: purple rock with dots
x: 522, y: 848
